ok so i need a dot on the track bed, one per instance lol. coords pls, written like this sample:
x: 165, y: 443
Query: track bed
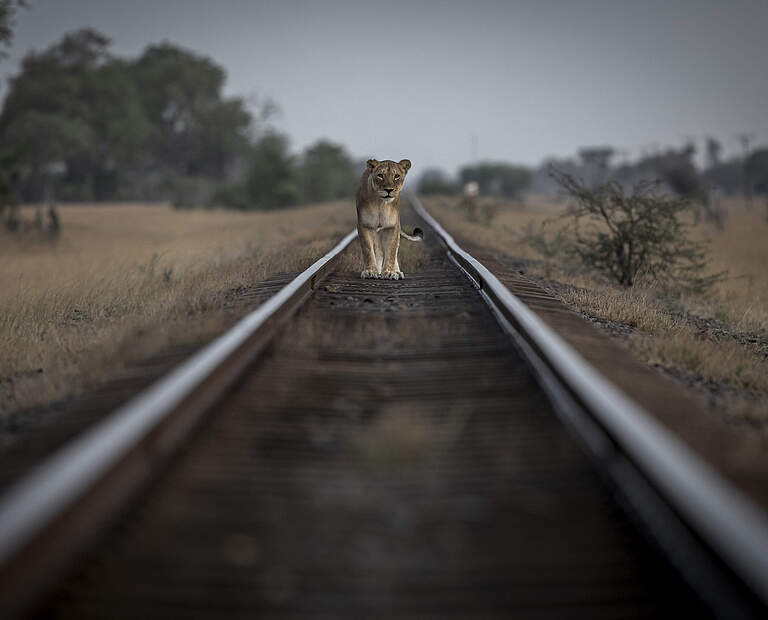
x: 389, y: 456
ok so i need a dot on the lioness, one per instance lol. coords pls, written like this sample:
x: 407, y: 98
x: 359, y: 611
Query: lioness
x: 378, y: 218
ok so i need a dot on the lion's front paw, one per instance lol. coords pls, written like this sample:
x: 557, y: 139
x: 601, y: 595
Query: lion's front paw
x: 369, y: 273
x: 391, y: 274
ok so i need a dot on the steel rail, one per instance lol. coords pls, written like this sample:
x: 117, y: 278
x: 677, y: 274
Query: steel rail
x: 140, y: 431
x: 718, y: 513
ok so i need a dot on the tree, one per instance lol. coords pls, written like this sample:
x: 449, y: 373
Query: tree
x: 326, y: 172
x: 597, y: 161
x: 73, y: 104
x: 194, y: 130
x: 153, y: 128
x: 675, y: 168
x: 599, y: 156
x: 726, y: 176
x: 757, y: 169
x: 497, y: 179
x: 435, y: 181
x: 626, y: 236
x: 271, y: 177
x: 8, y: 10
x: 9, y: 187
x: 714, y: 149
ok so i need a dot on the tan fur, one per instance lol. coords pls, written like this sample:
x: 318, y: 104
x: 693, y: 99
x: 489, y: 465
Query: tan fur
x: 378, y: 217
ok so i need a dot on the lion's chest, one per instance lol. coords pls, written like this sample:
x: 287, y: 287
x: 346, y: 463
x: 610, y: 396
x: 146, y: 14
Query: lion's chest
x: 377, y: 216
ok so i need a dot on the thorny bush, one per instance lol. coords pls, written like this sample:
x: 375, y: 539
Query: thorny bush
x: 629, y: 236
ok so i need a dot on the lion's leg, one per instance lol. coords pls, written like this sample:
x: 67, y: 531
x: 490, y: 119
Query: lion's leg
x: 378, y: 251
x: 390, y: 240
x: 397, y: 261
x: 367, y: 243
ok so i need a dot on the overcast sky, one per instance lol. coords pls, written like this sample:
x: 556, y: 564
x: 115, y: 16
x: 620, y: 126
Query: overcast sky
x: 443, y: 82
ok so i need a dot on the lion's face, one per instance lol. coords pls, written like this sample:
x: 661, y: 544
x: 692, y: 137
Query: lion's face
x: 387, y: 177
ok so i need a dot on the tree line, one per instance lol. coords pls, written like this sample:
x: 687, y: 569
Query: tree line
x: 675, y: 169
x: 82, y: 124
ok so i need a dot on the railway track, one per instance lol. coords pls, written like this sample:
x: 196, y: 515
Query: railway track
x: 425, y: 448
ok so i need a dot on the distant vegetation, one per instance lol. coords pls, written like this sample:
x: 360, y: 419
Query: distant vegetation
x: 492, y: 178
x: 274, y: 178
x: 81, y: 124
x: 8, y: 10
x: 674, y: 169
x: 435, y: 181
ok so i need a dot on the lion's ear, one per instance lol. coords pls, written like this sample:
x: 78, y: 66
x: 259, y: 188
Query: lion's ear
x: 405, y: 164
x: 372, y: 163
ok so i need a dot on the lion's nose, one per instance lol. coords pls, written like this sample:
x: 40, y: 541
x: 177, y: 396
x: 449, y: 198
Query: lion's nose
x: 389, y: 190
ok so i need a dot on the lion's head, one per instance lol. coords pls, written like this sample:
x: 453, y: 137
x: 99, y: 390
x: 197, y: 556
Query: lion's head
x: 387, y: 177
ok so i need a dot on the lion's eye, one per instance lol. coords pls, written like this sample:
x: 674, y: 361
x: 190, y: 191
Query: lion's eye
x: 380, y: 176
x: 397, y: 176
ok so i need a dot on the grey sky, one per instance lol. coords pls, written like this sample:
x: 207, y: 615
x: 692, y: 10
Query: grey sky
x: 414, y: 79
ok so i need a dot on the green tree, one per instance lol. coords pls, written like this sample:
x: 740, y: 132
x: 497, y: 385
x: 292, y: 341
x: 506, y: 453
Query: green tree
x: 497, y: 179
x: 596, y: 162
x: 326, y: 172
x: 435, y: 181
x: 151, y: 128
x: 675, y: 168
x: 757, y: 170
x: 194, y: 130
x: 271, y: 180
x: 74, y: 105
x: 8, y: 10
x: 9, y: 188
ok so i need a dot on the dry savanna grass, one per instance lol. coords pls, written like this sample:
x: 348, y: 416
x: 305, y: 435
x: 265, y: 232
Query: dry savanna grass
x: 720, y: 338
x: 125, y: 281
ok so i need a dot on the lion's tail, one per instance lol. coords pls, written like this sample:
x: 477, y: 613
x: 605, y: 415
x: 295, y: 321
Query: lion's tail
x: 418, y: 235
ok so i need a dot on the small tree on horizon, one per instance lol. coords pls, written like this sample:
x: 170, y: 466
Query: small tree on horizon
x: 434, y: 181
x: 497, y: 178
x: 8, y: 10
x: 326, y: 172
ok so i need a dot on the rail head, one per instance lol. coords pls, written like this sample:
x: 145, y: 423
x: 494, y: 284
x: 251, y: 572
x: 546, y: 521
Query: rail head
x: 50, y: 489
x: 736, y: 528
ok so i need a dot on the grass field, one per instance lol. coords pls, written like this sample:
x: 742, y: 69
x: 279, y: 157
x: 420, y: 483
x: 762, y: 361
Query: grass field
x: 717, y: 342
x: 124, y: 281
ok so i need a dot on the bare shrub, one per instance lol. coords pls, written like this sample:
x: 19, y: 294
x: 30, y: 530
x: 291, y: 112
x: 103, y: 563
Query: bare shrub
x: 635, y: 235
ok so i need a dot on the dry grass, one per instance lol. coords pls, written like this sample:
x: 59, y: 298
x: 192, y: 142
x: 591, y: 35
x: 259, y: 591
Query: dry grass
x: 125, y: 281
x: 742, y: 250
x: 722, y: 337
x: 636, y: 308
x: 719, y: 361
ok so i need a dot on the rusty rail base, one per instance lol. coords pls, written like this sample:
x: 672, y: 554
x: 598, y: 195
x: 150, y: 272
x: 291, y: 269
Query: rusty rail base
x: 54, y: 512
